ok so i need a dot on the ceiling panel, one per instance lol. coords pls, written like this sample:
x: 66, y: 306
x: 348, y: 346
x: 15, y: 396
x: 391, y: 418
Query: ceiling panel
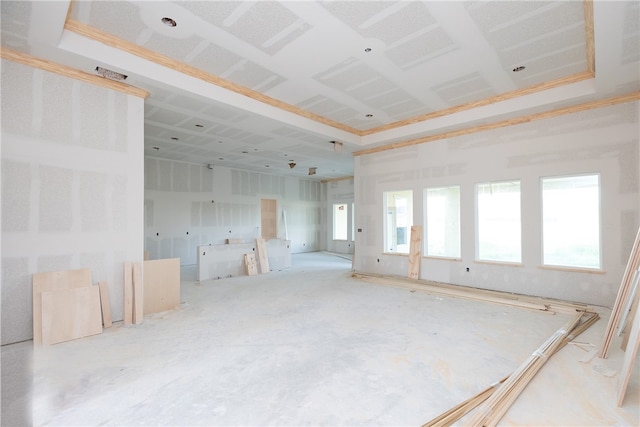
x: 424, y: 56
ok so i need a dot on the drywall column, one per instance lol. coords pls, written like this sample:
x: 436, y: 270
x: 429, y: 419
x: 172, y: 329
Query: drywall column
x: 72, y: 185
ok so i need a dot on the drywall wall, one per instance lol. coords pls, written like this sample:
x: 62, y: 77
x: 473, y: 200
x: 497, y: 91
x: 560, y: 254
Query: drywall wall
x: 603, y: 141
x: 72, y: 186
x: 340, y: 192
x: 188, y: 205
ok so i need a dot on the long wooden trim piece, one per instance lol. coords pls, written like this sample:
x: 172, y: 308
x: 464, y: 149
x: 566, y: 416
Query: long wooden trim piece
x: 63, y: 70
x: 635, y: 96
x: 483, y: 102
x: 544, y: 305
x: 547, y: 305
x: 454, y: 414
x: 589, y: 36
x: 165, y: 61
x: 344, y: 178
x: 622, y: 296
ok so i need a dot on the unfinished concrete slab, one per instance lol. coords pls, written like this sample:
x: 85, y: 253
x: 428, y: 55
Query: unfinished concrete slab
x: 311, y: 346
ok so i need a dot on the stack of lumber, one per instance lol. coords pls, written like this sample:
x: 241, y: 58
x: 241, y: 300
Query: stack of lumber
x: 625, y: 318
x: 497, y: 398
x: 66, y: 306
x: 252, y: 267
x: 509, y: 387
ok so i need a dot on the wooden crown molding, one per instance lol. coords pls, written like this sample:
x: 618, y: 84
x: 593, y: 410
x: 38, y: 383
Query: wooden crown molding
x: 63, y: 70
x: 111, y: 40
x: 142, y: 52
x: 504, y: 123
x: 343, y: 178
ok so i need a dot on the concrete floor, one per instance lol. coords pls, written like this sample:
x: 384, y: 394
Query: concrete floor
x: 311, y: 346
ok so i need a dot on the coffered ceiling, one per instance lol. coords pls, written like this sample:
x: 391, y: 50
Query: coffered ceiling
x: 261, y: 84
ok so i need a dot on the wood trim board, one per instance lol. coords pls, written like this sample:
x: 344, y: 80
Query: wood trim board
x: 63, y: 70
x: 415, y: 249
x: 629, y: 358
x: 128, y: 293
x: 138, y: 294
x: 622, y: 296
x: 105, y: 304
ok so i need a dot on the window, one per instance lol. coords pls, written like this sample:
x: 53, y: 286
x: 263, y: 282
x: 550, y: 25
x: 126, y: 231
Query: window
x: 442, y: 208
x: 571, y: 221
x: 340, y: 221
x: 398, y: 219
x: 498, y: 209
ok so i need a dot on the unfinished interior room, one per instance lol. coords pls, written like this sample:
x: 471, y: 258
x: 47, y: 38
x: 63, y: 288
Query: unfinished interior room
x: 304, y: 213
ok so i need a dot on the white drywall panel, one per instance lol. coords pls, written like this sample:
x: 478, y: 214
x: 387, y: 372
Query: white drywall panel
x: 188, y: 205
x: 604, y: 141
x: 220, y: 261
x: 72, y: 185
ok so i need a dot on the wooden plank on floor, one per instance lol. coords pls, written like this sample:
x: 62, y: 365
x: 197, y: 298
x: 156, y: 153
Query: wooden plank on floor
x: 128, y: 293
x: 69, y: 314
x: 161, y: 285
x: 138, y: 291
x: 250, y: 264
x: 415, y: 249
x: 51, y: 281
x: 105, y: 304
x: 262, y: 255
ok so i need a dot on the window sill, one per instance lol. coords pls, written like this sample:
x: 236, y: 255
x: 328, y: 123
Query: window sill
x: 394, y: 254
x: 443, y: 258
x: 502, y: 263
x: 572, y: 269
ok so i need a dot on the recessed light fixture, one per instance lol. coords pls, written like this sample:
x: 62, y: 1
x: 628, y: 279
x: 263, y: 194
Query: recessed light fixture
x: 519, y: 68
x: 175, y: 138
x: 368, y: 115
x: 368, y: 49
x: 199, y: 126
x: 169, y: 22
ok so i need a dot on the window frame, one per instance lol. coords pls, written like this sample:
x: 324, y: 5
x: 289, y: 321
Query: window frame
x: 427, y: 222
x: 496, y: 260
x: 557, y: 266
x: 385, y: 225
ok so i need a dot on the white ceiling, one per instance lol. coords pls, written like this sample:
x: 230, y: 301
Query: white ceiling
x: 304, y: 73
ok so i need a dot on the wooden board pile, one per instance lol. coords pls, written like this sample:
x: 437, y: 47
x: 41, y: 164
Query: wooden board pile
x: 250, y: 262
x: 67, y: 306
x: 495, y: 400
x: 625, y: 319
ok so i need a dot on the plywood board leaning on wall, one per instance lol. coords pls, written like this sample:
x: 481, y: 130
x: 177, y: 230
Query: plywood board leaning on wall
x: 161, y: 285
x: 250, y: 264
x: 262, y: 255
x: 69, y: 314
x: 54, y: 281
